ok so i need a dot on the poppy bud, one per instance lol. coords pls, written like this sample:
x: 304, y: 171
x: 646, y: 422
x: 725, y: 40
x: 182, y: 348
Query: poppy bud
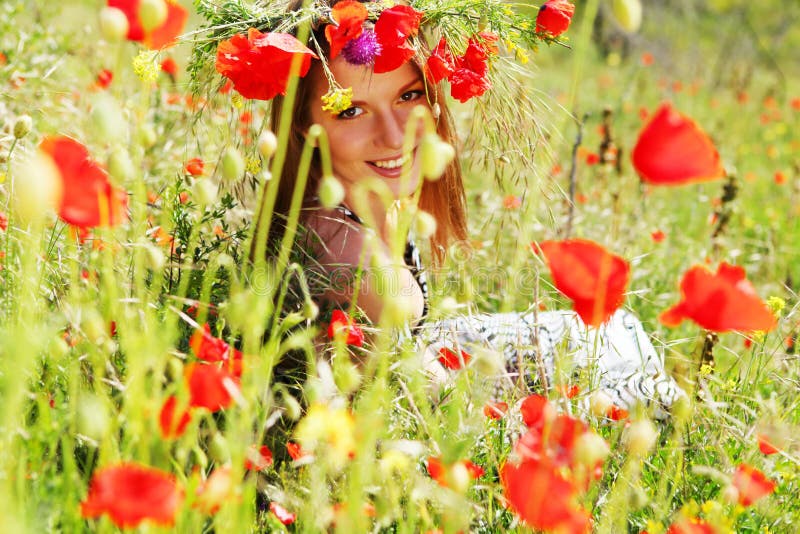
x: 233, y: 165
x: 37, y: 188
x: 204, y: 191
x: 107, y: 119
x: 146, y: 135
x: 330, y: 192
x: 640, y: 437
x: 218, y: 448
x: 199, y: 457
x: 292, y: 407
x: 435, y: 156
x: 628, y: 14
x: 113, y: 24
x: 600, y: 403
x: 591, y: 448
x: 152, y: 14
x: 120, y: 166
x: 310, y: 309
x: 174, y: 370
x: 22, y: 126
x: 458, y: 478
x: 425, y: 224
x: 267, y: 144
x: 155, y: 258
x: 92, y: 417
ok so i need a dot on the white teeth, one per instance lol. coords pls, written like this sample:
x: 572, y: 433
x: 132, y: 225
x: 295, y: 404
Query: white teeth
x: 391, y: 164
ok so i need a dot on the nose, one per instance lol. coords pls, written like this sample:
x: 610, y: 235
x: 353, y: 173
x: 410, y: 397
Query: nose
x: 392, y: 129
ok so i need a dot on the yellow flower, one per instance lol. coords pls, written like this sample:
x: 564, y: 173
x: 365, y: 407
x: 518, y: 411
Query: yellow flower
x: 145, y: 66
x: 706, y: 369
x: 237, y: 100
x: 253, y: 164
x: 329, y: 432
x: 776, y: 304
x: 337, y: 100
x: 522, y: 56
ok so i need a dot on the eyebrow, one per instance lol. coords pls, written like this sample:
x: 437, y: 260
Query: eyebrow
x: 403, y: 89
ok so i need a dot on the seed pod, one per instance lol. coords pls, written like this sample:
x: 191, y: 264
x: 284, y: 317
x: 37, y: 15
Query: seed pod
x: 435, y: 156
x: 147, y: 136
x: 267, y: 144
x: 204, y: 192
x: 425, y: 224
x: 591, y: 448
x: 22, y: 126
x: 346, y: 375
x: 152, y: 14
x: 155, y: 258
x: 120, y: 166
x: 113, y: 24
x: 218, y: 448
x: 330, y: 192
x: 37, y: 188
x: 600, y: 403
x: 233, y: 165
x: 640, y: 437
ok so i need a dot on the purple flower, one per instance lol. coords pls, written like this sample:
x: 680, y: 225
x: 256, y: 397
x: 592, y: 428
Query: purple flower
x: 363, y: 49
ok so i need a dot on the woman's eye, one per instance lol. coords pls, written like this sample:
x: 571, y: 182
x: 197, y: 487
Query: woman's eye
x: 410, y: 96
x: 350, y: 113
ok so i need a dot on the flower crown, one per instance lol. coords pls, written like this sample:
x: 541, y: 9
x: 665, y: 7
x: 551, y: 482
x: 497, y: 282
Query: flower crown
x: 254, y: 46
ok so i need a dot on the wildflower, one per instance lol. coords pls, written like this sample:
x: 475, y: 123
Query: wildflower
x: 440, y: 63
x: 170, y: 66
x: 131, y: 493
x: 253, y: 164
x: 342, y: 325
x: 456, y: 475
x: 720, y: 301
x: 512, y: 202
x: 779, y: 178
x: 145, y: 66
x: 691, y: 526
x: 495, y: 410
x: 210, y: 387
x: 104, y: 78
x: 3, y: 221
x: 154, y: 36
x: 363, y: 50
x: 283, y: 515
x: 673, y: 150
x: 349, y: 16
x: 392, y: 30
x: 258, y: 64
x: 88, y: 198
x: 194, y: 167
x: 258, y: 458
x: 295, y: 450
x: 337, y: 99
x: 554, y: 17
x: 209, y: 348
x: 592, y: 159
x: 751, y: 484
x: 657, y: 236
x: 452, y: 360
x: 535, y: 411
x: 765, y: 446
x: 173, y: 424
x: 328, y: 429
x: 593, y: 278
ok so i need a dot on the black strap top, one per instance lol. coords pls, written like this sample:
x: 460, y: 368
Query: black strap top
x: 412, y: 259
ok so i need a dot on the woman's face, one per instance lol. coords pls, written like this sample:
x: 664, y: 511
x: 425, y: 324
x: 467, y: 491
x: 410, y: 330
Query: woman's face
x: 366, y: 140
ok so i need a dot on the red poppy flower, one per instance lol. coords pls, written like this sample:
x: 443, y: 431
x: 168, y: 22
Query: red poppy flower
x: 131, y: 493
x: 172, y: 425
x: 751, y: 484
x: 657, y: 236
x: 195, y: 167
x: 295, y: 450
x: 542, y: 497
x: 589, y: 275
x: 258, y: 458
x: 342, y: 325
x: 765, y: 446
x: 209, y: 386
x: 554, y: 17
x: 465, y: 84
x: 259, y: 64
x: 495, y: 410
x: 349, y: 16
x: 569, y: 391
x: 555, y: 441
x: 88, y: 199
x: 170, y: 66
x: 691, y: 526
x: 534, y: 411
x: 720, y: 301
x: 3, y: 221
x: 615, y: 413
x: 673, y: 150
x: 215, y: 490
x: 592, y: 159
x: 283, y: 515
x: 160, y: 37
x: 392, y: 30
x: 440, y: 64
x: 451, y: 360
x: 104, y: 78
x: 209, y: 348
x: 439, y: 471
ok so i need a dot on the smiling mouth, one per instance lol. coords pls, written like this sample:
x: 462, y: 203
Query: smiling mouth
x: 390, y: 164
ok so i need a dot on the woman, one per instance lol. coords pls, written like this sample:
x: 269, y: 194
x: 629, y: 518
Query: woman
x: 366, y: 138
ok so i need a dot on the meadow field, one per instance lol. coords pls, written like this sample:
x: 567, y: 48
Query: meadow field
x: 141, y: 352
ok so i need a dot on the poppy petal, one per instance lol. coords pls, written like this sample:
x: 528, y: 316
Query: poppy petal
x: 349, y: 16
x: 752, y: 484
x: 673, y: 150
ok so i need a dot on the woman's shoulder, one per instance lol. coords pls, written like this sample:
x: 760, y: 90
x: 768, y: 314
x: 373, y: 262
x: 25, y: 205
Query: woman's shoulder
x: 335, y: 236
